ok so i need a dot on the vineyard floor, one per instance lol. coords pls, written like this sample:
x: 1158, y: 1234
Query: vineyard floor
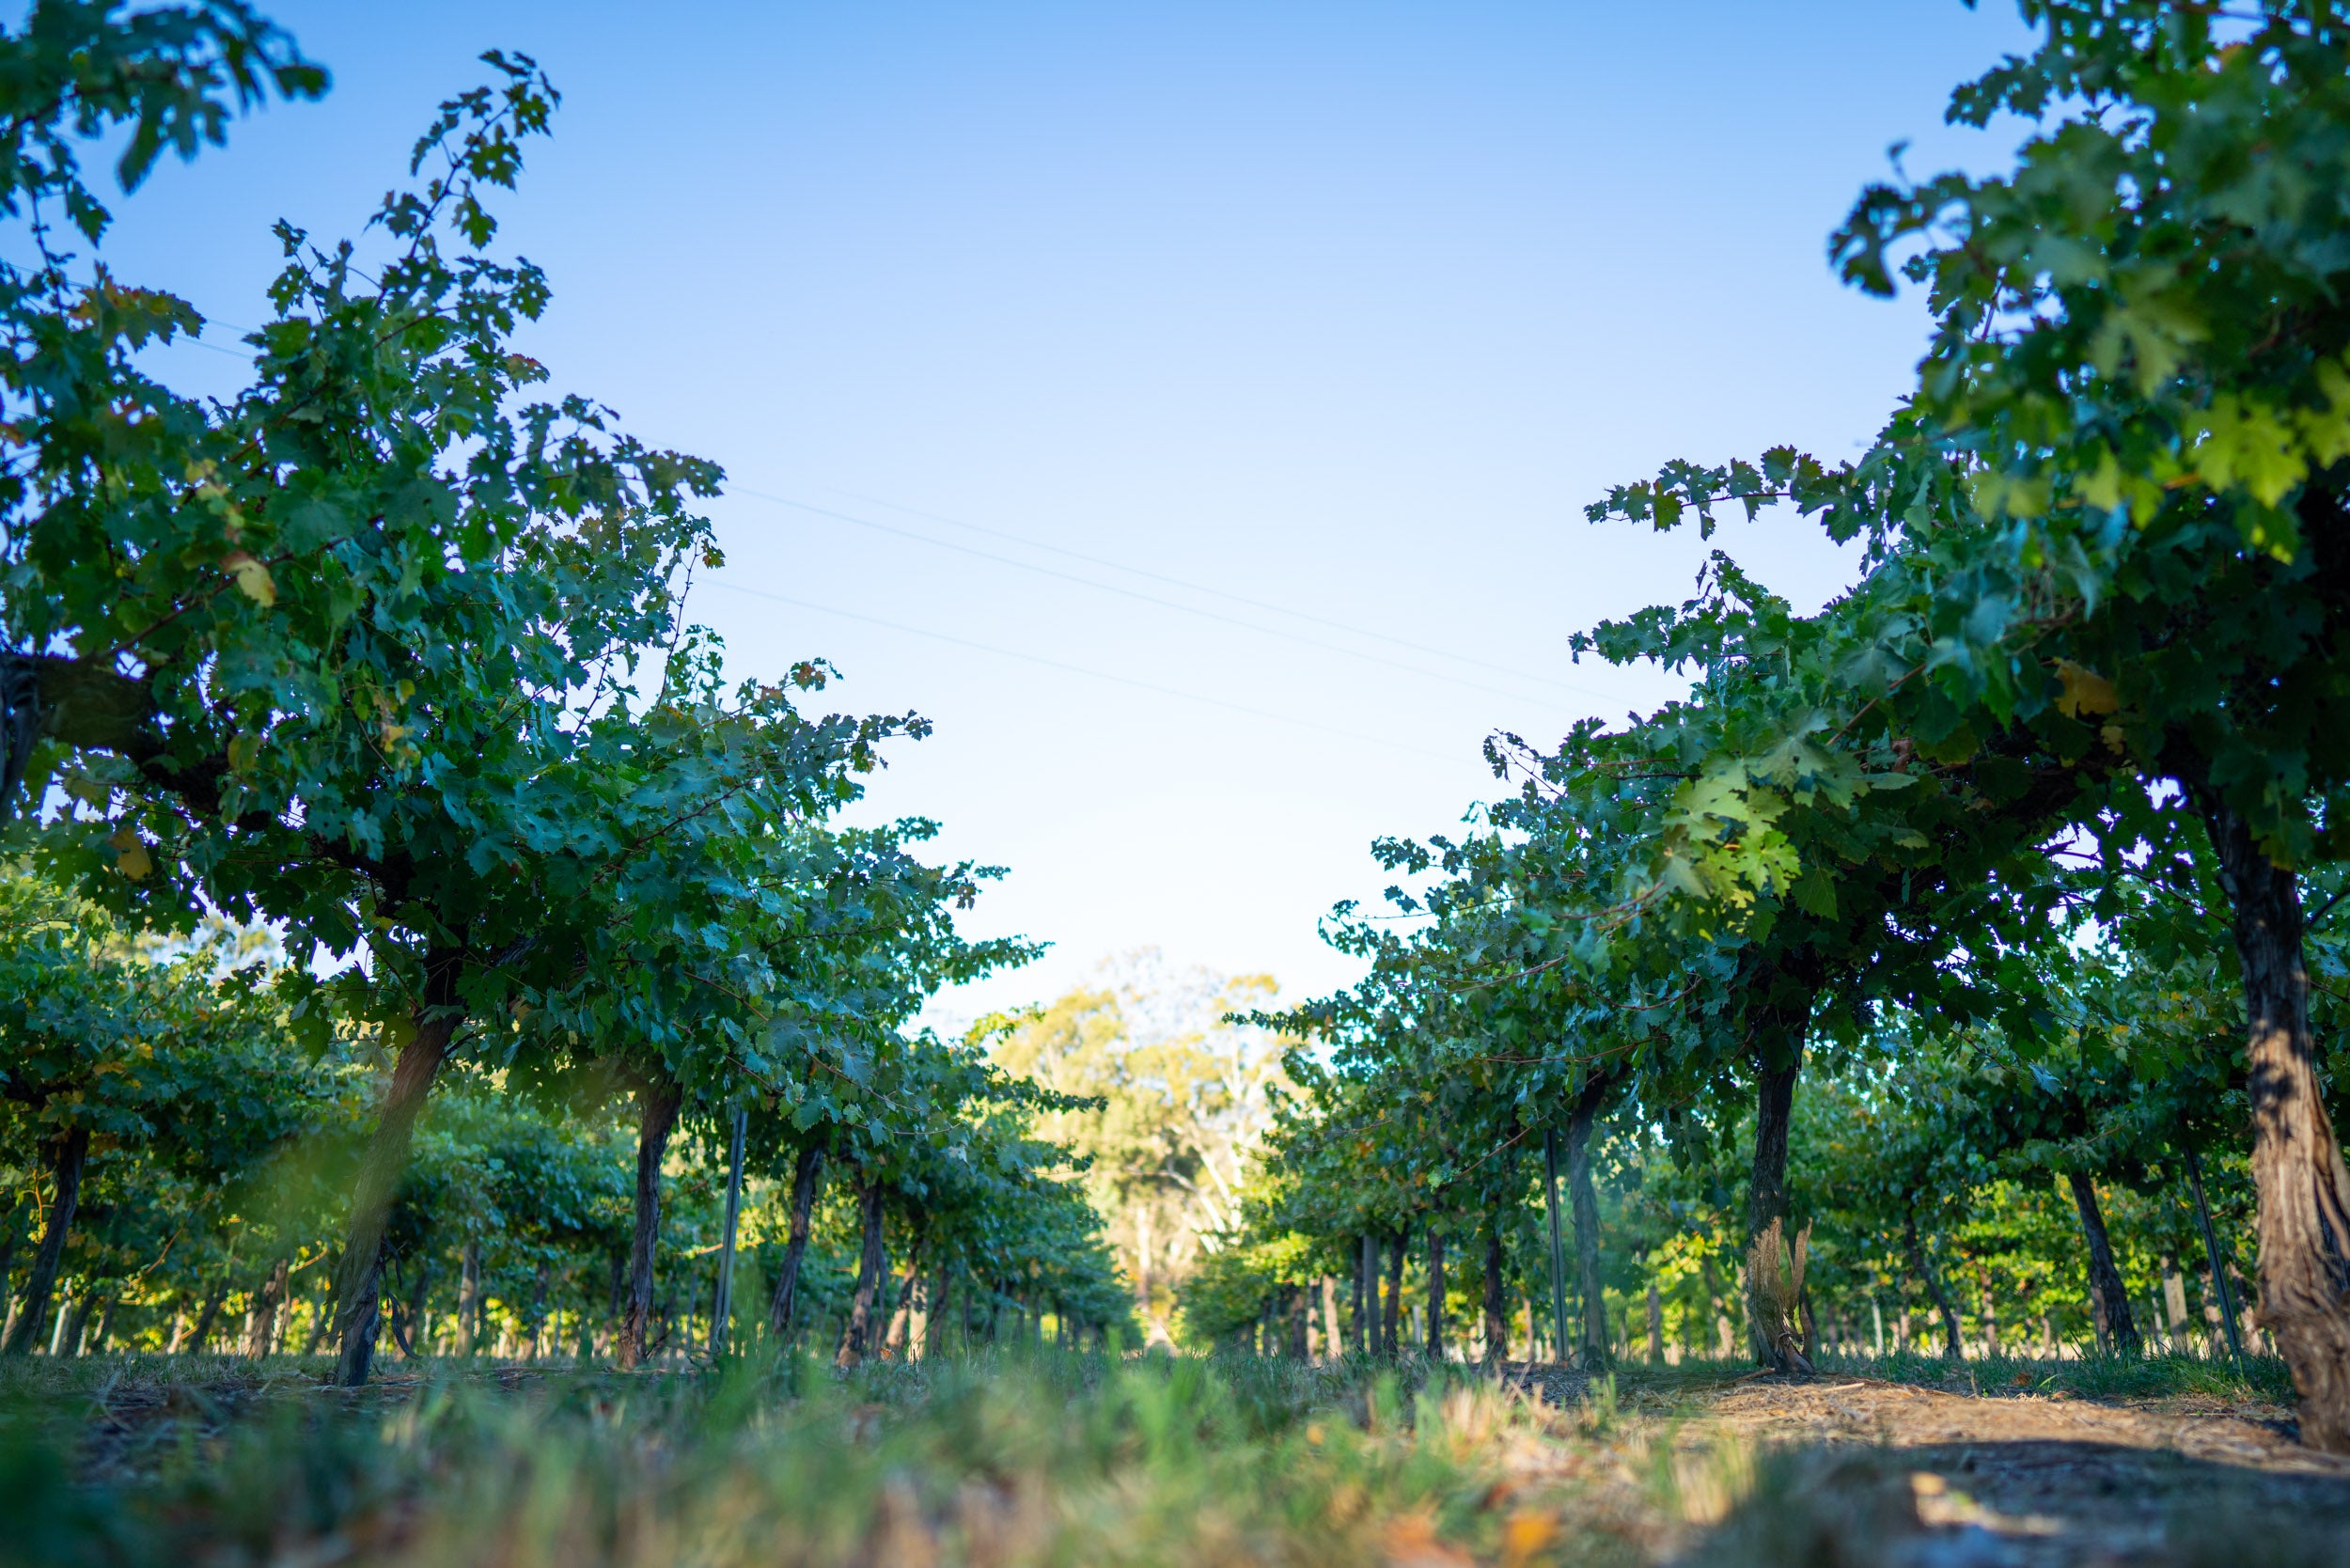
x: 1004, y: 1460
x: 2003, y: 1464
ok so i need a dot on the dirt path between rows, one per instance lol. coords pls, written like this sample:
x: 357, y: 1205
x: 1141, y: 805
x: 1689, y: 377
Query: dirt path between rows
x: 1861, y: 1471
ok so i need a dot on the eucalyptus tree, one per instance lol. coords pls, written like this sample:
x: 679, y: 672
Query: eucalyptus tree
x: 1186, y: 1084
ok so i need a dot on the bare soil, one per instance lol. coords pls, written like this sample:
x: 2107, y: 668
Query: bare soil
x: 1854, y: 1471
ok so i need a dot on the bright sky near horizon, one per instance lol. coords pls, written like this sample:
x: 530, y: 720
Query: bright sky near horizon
x: 1188, y: 407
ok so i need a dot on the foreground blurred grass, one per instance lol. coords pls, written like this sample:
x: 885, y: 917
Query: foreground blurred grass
x: 1022, y: 1459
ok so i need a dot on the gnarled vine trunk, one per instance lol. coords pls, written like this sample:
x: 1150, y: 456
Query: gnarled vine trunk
x: 936, y: 1308
x: 808, y: 1175
x: 897, y: 1342
x: 269, y: 1300
x: 2117, y: 1326
x: 1391, y: 1331
x: 1584, y: 1197
x: 202, y: 1332
x: 42, y: 1282
x: 1497, y: 1300
x: 1952, y: 1346
x: 469, y: 1298
x: 2297, y: 1160
x: 657, y: 1103
x: 359, y: 1284
x: 872, y: 1262
x: 1436, y: 1295
x: 1769, y: 1331
x: 7, y: 1252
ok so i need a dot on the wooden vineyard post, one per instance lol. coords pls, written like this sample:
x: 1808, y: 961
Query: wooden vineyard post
x: 2210, y: 1250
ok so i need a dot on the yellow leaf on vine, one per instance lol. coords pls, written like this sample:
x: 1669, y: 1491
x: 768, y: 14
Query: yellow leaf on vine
x: 252, y: 577
x: 130, y: 857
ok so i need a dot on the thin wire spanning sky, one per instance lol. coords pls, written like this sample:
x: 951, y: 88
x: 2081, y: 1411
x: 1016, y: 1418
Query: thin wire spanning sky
x: 1189, y: 407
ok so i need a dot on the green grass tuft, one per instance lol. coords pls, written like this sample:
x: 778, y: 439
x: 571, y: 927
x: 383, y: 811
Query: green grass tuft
x: 1015, y: 1459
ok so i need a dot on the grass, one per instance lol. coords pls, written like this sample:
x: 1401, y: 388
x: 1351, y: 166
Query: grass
x: 998, y: 1459
x: 2262, y: 1380
x: 1015, y: 1460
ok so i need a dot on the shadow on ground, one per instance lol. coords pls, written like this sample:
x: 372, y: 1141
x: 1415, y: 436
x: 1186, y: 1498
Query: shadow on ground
x: 1865, y: 1473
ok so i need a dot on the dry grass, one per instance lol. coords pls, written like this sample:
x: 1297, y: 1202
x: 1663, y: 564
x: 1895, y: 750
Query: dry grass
x: 1088, y: 1461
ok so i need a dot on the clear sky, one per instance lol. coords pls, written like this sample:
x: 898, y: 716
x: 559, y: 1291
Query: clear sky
x: 1189, y: 407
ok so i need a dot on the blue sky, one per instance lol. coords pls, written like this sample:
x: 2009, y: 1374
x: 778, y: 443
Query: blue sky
x: 1327, y: 321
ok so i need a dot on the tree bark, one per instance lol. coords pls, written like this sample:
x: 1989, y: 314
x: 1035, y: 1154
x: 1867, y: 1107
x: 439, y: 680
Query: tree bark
x: 2173, y: 1301
x: 408, y: 1315
x: 872, y: 1264
x: 73, y: 1321
x: 469, y: 1298
x: 260, y: 1320
x: 358, y: 1292
x: 212, y: 1304
x: 1436, y: 1295
x: 8, y: 1255
x: 2116, y: 1325
x: 322, y: 1313
x: 934, y: 1315
x: 1392, y: 1329
x: 808, y: 1175
x: 1655, y: 1325
x: 42, y: 1282
x: 1767, y: 1189
x: 539, y: 1284
x: 1496, y: 1299
x: 1723, y: 1333
x: 2297, y: 1160
x: 894, y: 1342
x: 1592, y: 1352
x: 1367, y: 1297
x: 657, y: 1103
x: 1953, y: 1347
